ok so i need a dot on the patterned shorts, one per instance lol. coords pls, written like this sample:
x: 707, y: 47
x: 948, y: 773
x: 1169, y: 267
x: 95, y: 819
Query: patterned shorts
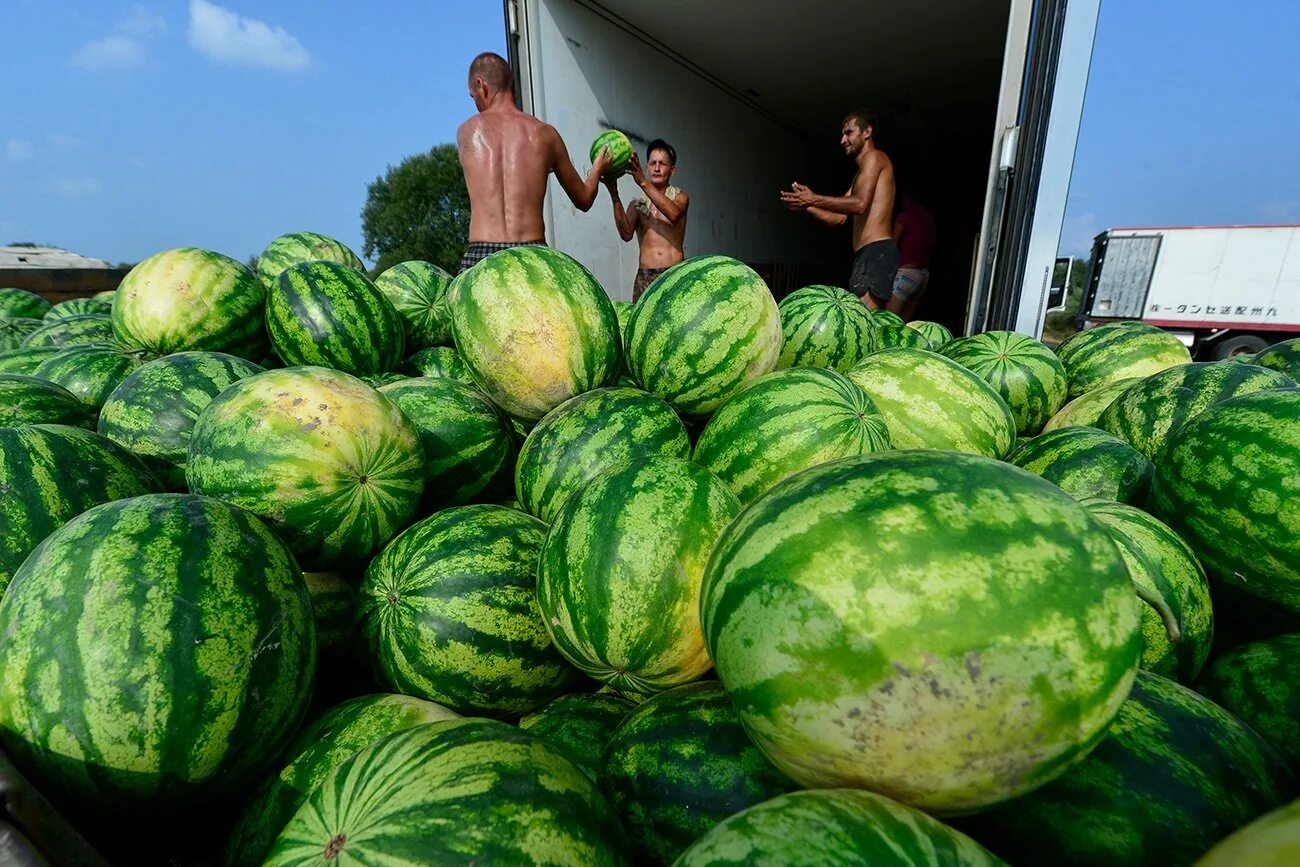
x: 644, y: 277
x: 477, y: 251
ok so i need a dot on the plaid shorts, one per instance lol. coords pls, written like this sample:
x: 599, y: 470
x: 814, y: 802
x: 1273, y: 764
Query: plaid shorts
x: 477, y: 251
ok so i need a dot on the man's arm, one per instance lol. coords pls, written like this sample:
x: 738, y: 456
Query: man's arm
x: 672, y: 209
x: 856, y: 203
x: 623, y: 221
x: 581, y: 192
x: 830, y: 218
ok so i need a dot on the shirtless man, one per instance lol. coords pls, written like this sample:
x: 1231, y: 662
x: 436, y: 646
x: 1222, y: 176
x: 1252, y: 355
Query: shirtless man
x: 658, y: 220
x: 507, y: 156
x: 870, y: 202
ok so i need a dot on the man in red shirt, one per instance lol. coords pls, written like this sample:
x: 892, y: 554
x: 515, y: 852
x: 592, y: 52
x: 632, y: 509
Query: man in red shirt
x: 914, y: 233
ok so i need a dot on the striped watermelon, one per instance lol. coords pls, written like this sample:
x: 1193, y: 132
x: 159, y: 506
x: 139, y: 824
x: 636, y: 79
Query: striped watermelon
x: 331, y: 463
x: 14, y: 330
x: 824, y: 326
x: 151, y: 412
x: 535, y: 329
x: 333, y: 608
x: 589, y: 434
x: 467, y: 441
x: 1174, y: 774
x: 785, y: 422
x: 326, y: 314
x: 25, y: 360
x: 904, y: 601
x: 179, y: 630
x: 619, y: 148
x: 379, y: 380
x: 1226, y: 483
x: 889, y: 336
x: 91, y: 372
x: 1283, y: 357
x: 834, y: 828
x: 938, y: 335
x: 884, y: 318
x: 1109, y: 353
x: 447, y: 610
x: 72, y: 331
x: 1256, y: 682
x: 579, y: 726
x: 470, y: 791
x: 1087, y: 462
x: 28, y: 400
x: 1087, y: 408
x: 701, y: 331
x: 107, y: 295
x: 622, y: 312
x: 418, y: 291
x: 1023, y: 371
x: 49, y: 474
x: 20, y: 302
x: 618, y: 584
x: 1177, y: 619
x: 680, y: 764
x: 1273, y: 840
x: 78, y: 307
x: 1148, y: 413
x: 339, y: 733
x: 439, y: 361
x: 932, y: 402
x: 298, y: 247
x: 191, y: 299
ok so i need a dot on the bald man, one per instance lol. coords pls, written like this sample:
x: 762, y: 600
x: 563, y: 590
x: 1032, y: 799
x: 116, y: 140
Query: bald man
x: 507, y: 156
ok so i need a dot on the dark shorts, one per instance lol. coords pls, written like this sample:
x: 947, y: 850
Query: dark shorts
x: 873, y: 270
x: 644, y: 277
x: 477, y: 251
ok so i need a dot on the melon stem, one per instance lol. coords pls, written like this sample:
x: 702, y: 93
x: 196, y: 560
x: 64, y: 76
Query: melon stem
x: 1156, y: 601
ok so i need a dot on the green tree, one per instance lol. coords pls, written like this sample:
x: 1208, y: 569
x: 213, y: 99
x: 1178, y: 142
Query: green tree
x: 1061, y: 323
x: 419, y: 209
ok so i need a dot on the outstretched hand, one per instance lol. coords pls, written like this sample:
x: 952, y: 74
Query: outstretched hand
x: 797, y: 198
x: 603, y: 161
x: 635, y: 170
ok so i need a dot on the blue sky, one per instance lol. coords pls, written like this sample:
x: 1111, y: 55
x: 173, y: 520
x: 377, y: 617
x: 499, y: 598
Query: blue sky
x: 137, y: 126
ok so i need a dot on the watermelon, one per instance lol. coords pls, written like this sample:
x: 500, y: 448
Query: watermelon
x: 334, y: 465
x: 1177, y: 620
x: 824, y: 326
x: 1148, y: 413
x: 884, y: 318
x: 785, y: 422
x: 418, y: 291
x: 448, y: 613
x: 191, y: 299
x: 25, y: 360
x: 1256, y: 682
x: 1023, y: 371
x: 91, y: 372
x: 938, y: 335
x: 1087, y: 462
x: 327, y: 314
x: 439, y: 361
x: 619, y: 148
x: 1174, y: 774
x: 834, y: 828
x: 298, y: 247
x: 1226, y: 483
x: 21, y: 303
x: 179, y: 630
x: 680, y: 764
x: 72, y: 330
x: 703, y: 329
x: 1109, y: 353
x: 618, y: 584
x: 904, y: 601
x: 151, y: 412
x: 466, y: 439
x: 890, y: 336
x: 49, y: 474
x: 78, y: 307
x: 1273, y: 840
x: 339, y: 733
x: 379, y: 380
x: 622, y: 312
x: 470, y: 791
x: 28, y: 400
x: 1087, y: 408
x: 14, y: 330
x: 333, y: 607
x: 1283, y: 357
x: 579, y: 726
x: 107, y: 295
x: 593, y: 432
x: 932, y: 402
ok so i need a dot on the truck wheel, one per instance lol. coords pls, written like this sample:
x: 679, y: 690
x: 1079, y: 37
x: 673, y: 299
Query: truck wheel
x: 1238, y: 344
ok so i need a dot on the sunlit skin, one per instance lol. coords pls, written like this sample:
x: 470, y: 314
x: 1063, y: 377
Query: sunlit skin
x: 662, y: 232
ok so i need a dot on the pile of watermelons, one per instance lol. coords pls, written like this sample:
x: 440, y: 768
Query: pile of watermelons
x: 305, y: 568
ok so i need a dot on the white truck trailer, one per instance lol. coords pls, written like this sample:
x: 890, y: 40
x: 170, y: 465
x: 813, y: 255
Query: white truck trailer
x: 978, y: 104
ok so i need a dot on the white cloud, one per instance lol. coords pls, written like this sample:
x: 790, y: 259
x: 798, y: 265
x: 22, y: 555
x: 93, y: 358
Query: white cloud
x: 141, y: 23
x: 18, y: 149
x: 1077, y: 234
x: 227, y: 37
x: 78, y: 187
x: 111, y: 52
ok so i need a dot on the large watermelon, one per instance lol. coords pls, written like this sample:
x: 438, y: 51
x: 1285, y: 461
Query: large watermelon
x: 535, y: 329
x: 1257, y: 682
x: 1147, y: 414
x: 14, y: 330
x: 1122, y: 350
x: 26, y: 359
x: 1283, y: 357
x: 471, y: 791
x: 619, y: 148
x: 1273, y: 840
x: 1087, y: 462
x: 593, y: 432
x: 1174, y: 774
x: 579, y: 726
x: 618, y: 584
x: 438, y: 361
x: 1226, y: 483
x: 91, y: 372
x: 334, y: 603
x: 890, y: 336
x: 49, y: 474
x: 824, y: 326
x: 179, y: 631
x: 932, y: 402
x: 937, y: 334
x: 151, y: 412
x: 339, y: 733
x: 1085, y: 409
x: 78, y: 307
x: 1023, y: 371
x: 331, y: 463
x: 875, y: 618
x: 885, y: 318
x: 785, y: 422
x: 20, y: 302
x: 327, y: 314
x: 298, y: 247
x: 701, y: 331
x: 681, y: 763
x: 418, y: 291
x: 28, y: 400
x: 449, y: 615
x: 73, y: 330
x: 834, y: 828
x: 190, y: 299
